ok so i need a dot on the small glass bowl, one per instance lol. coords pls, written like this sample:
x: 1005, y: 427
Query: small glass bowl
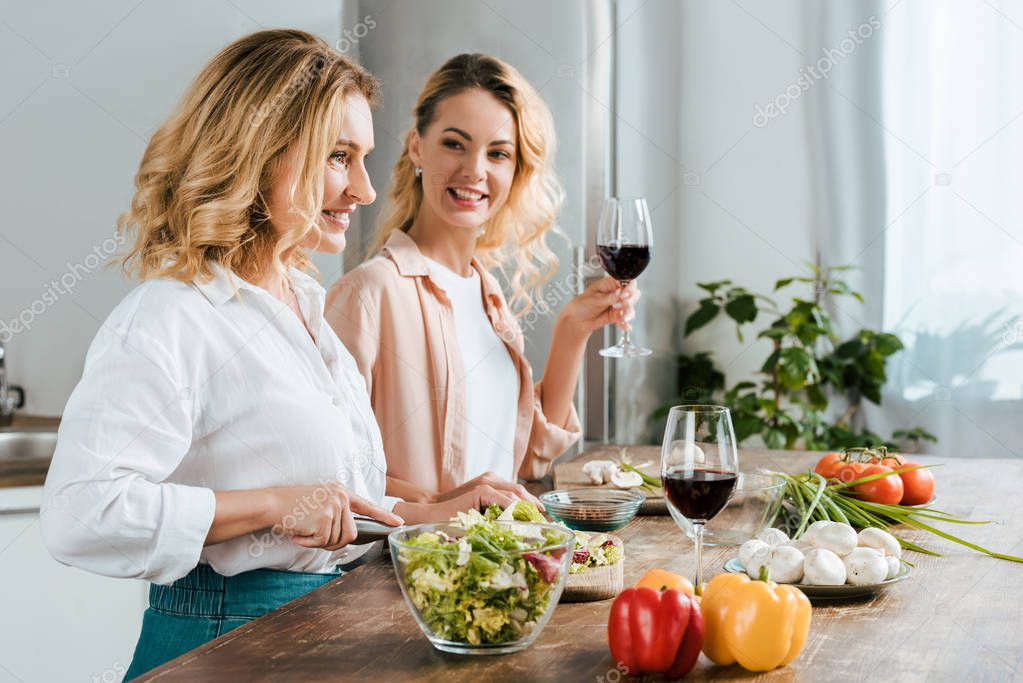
x: 757, y: 498
x: 424, y: 587
x: 593, y: 509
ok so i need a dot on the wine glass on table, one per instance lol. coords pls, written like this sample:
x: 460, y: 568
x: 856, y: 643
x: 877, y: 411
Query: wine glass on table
x: 624, y: 239
x: 699, y: 466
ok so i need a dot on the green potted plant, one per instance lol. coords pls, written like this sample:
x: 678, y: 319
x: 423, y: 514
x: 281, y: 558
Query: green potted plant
x: 809, y: 369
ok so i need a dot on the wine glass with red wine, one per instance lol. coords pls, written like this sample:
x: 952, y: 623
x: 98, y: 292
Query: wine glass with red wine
x: 624, y: 239
x: 699, y: 466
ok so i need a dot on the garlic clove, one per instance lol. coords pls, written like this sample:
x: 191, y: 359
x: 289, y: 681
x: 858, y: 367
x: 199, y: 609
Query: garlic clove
x: 626, y: 480
x: 597, y: 471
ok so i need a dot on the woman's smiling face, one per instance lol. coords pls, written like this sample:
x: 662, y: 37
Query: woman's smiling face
x: 467, y: 157
x: 345, y: 183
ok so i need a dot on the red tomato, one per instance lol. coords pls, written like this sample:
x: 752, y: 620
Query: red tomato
x: 893, y: 461
x: 829, y: 465
x: 850, y: 471
x: 885, y: 490
x: 918, y: 485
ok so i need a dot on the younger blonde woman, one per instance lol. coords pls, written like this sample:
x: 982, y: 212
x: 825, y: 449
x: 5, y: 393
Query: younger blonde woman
x: 428, y: 324
x: 221, y: 438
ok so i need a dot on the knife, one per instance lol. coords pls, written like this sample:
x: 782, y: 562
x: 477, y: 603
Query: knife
x: 370, y: 530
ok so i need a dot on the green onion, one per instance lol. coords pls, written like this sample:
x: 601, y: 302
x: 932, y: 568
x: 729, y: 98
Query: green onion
x: 809, y: 497
x: 648, y: 480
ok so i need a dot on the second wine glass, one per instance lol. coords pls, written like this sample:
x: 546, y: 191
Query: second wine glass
x: 699, y: 466
x: 624, y: 240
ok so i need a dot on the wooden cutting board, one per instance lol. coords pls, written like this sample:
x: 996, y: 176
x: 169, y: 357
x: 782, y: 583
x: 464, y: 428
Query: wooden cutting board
x: 569, y: 475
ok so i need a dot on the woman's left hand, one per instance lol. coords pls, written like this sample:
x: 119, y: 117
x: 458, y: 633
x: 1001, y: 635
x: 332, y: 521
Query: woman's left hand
x: 604, y: 302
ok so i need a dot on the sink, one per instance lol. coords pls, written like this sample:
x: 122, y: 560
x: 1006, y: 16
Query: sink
x: 25, y: 457
x: 20, y: 446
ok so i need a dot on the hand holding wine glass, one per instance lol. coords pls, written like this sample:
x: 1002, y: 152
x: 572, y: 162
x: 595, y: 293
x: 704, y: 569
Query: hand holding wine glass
x: 624, y: 239
x: 699, y: 466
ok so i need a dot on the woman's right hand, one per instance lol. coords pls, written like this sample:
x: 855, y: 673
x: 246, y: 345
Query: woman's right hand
x: 476, y: 497
x: 323, y: 515
x: 495, y: 482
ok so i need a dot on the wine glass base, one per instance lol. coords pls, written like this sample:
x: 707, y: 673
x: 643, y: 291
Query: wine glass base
x: 629, y: 351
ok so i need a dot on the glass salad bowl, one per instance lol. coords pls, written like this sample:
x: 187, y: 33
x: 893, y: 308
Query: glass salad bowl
x: 480, y: 586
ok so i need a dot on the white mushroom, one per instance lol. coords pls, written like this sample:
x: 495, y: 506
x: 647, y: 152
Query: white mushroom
x: 773, y: 537
x: 751, y: 548
x: 757, y: 557
x: 880, y: 539
x: 865, y: 566
x: 834, y: 536
x: 627, y: 480
x: 596, y: 470
x: 894, y: 567
x: 786, y: 565
x: 687, y: 451
x: 821, y: 567
x: 801, y: 545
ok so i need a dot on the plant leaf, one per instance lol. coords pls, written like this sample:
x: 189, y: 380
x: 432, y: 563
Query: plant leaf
x: 712, y: 287
x: 742, y: 309
x: 784, y: 282
x: 703, y: 315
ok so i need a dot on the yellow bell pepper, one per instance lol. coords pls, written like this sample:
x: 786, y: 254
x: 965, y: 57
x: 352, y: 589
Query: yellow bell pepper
x: 759, y: 624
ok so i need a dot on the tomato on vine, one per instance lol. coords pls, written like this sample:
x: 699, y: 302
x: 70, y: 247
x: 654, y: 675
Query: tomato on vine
x: 886, y: 490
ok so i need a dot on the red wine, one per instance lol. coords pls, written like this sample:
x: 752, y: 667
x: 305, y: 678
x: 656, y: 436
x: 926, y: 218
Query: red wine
x: 625, y: 262
x: 698, y: 494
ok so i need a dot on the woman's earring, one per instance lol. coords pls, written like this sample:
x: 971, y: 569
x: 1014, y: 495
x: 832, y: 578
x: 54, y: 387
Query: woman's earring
x: 419, y: 172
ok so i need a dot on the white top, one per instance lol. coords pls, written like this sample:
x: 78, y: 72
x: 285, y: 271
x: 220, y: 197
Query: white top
x: 490, y: 381
x: 188, y: 389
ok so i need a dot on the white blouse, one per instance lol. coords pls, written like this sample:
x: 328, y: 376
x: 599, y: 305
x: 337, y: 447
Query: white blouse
x: 491, y: 380
x: 188, y: 389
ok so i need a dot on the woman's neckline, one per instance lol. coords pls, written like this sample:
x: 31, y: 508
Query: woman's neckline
x: 473, y: 275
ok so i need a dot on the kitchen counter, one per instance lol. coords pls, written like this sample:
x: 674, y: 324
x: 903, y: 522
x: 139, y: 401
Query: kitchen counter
x: 958, y: 617
x: 15, y: 471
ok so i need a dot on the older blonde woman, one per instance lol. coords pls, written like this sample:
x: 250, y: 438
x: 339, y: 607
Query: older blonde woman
x: 221, y: 438
x: 431, y: 331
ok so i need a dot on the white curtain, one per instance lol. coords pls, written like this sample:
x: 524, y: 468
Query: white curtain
x: 935, y: 227
x: 954, y: 266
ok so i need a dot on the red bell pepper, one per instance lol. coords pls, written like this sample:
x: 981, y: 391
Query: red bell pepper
x: 653, y: 631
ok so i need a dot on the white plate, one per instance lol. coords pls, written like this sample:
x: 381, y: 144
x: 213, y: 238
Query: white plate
x: 734, y: 566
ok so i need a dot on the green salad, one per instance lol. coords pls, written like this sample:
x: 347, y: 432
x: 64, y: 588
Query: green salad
x: 593, y: 550
x: 478, y: 592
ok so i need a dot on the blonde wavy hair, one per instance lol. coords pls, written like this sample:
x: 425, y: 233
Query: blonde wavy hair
x: 515, y: 235
x: 202, y: 186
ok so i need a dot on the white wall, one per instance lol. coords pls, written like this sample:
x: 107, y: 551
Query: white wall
x: 82, y: 87
x: 732, y: 200
x: 536, y: 37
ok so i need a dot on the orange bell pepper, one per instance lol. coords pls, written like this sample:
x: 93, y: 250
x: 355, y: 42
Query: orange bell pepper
x: 758, y: 624
x: 661, y: 580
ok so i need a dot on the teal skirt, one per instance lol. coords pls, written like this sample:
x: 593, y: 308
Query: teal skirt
x: 204, y: 604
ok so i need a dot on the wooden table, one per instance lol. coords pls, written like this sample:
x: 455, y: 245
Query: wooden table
x: 957, y: 618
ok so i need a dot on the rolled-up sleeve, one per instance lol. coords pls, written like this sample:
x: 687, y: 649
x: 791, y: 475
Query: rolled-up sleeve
x: 547, y: 440
x: 126, y: 428
x: 355, y: 325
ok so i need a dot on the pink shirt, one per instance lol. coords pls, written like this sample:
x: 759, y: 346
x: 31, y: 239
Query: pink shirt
x: 399, y: 326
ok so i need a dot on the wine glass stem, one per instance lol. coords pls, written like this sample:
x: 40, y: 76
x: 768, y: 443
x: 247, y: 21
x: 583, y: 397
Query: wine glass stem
x: 698, y: 541
x: 625, y: 341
